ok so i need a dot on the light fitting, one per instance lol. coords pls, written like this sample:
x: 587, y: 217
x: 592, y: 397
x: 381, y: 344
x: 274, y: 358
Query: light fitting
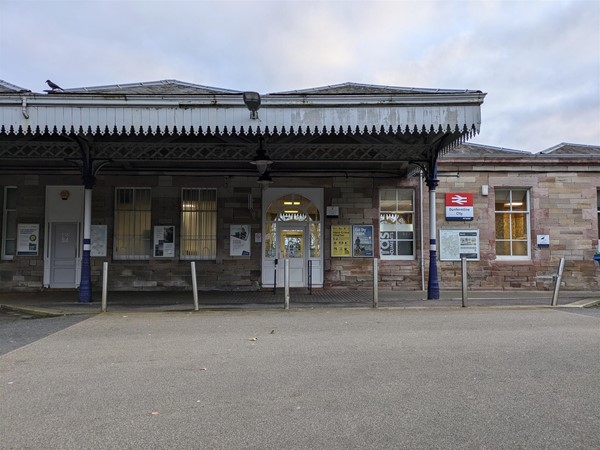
x: 252, y: 101
x: 265, y: 179
x: 261, y: 160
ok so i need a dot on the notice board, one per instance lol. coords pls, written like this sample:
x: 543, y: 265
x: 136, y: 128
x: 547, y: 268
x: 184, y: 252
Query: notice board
x: 456, y: 243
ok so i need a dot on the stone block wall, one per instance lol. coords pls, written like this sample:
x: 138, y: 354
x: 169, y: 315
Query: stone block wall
x: 358, y: 200
x: 563, y: 205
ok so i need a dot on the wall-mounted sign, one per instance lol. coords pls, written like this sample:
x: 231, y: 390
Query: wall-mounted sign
x: 362, y: 238
x: 459, y: 206
x: 341, y: 240
x: 164, y: 241
x: 239, y: 240
x: 98, y: 240
x: 332, y: 211
x: 543, y: 240
x: 28, y: 239
x: 457, y: 243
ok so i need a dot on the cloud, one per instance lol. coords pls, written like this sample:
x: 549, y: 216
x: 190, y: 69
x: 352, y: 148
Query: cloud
x: 538, y: 60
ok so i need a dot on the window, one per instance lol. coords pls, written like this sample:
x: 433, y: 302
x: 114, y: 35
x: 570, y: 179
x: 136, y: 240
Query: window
x: 133, y: 230
x: 512, y: 223
x: 198, y: 223
x: 396, y: 224
x: 9, y: 223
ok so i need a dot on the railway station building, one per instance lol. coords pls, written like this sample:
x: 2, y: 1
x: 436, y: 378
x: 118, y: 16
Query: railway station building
x: 152, y: 176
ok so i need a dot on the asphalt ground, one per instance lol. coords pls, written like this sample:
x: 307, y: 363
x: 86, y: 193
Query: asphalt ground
x: 310, y: 378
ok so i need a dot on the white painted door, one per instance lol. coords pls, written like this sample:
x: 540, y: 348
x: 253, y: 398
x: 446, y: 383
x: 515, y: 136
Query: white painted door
x: 63, y: 255
x: 292, y: 245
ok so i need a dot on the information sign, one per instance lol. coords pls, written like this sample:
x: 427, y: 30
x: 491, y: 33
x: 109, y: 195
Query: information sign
x: 457, y: 243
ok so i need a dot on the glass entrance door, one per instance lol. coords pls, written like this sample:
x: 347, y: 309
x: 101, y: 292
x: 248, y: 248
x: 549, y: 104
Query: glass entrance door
x: 292, y: 246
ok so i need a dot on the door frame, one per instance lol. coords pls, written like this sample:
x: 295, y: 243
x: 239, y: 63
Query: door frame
x: 77, y: 260
x: 268, y: 266
x: 64, y: 203
x: 293, y: 226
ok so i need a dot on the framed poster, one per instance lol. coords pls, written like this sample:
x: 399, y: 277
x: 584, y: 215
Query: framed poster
x: 239, y: 240
x: 98, y: 238
x: 362, y: 238
x: 28, y: 239
x: 164, y: 241
x: 341, y: 240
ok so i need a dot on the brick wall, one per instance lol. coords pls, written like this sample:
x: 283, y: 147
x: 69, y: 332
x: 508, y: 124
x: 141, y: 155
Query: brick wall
x: 563, y: 206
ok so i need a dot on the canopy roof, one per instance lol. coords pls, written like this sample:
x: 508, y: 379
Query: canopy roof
x: 173, y: 126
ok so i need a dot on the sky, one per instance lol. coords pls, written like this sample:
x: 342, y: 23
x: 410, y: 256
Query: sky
x: 537, y: 60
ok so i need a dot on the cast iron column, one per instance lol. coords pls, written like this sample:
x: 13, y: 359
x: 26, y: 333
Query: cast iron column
x: 433, y: 286
x: 85, y: 285
x: 89, y: 167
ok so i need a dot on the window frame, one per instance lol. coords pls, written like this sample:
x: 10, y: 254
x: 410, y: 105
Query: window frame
x: 183, y: 231
x: 413, y: 214
x: 526, y: 212
x: 133, y: 257
x: 5, y: 211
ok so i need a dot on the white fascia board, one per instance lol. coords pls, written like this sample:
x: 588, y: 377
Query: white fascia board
x: 321, y: 113
x: 389, y: 99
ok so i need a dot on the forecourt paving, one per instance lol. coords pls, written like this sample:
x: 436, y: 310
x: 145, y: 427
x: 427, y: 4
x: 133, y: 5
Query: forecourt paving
x: 308, y: 378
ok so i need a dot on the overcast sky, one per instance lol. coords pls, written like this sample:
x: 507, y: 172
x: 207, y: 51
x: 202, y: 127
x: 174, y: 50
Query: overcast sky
x: 538, y: 60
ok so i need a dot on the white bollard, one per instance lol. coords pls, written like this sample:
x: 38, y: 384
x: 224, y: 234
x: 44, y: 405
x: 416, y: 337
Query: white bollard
x: 463, y: 271
x: 286, y: 282
x: 557, y: 281
x: 375, y: 283
x: 104, y: 285
x: 194, y: 286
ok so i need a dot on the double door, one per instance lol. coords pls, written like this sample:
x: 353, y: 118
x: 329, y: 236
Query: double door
x: 291, y: 240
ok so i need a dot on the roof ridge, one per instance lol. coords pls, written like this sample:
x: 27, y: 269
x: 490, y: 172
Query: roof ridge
x: 13, y: 87
x: 149, y: 84
x: 564, y: 144
x: 374, y: 87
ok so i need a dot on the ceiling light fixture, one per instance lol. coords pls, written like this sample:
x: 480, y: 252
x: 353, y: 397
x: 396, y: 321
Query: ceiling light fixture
x: 265, y: 179
x: 261, y: 159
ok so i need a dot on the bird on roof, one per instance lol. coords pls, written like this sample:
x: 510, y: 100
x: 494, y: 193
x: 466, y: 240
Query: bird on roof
x: 53, y: 85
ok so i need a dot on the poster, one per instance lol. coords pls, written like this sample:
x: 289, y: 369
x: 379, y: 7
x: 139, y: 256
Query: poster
x: 362, y: 238
x: 457, y: 243
x: 98, y: 240
x: 164, y: 241
x: 28, y: 239
x: 239, y: 240
x: 341, y: 240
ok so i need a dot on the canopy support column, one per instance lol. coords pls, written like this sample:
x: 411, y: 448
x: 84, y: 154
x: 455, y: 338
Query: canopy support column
x: 433, y: 286
x: 89, y: 168
x: 429, y: 168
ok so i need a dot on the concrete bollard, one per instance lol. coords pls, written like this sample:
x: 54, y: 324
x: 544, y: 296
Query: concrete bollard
x: 557, y: 281
x: 286, y: 283
x: 194, y: 285
x: 104, y: 285
x: 375, y: 283
x: 463, y: 270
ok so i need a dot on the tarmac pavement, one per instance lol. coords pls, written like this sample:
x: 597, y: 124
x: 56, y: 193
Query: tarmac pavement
x: 319, y: 378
